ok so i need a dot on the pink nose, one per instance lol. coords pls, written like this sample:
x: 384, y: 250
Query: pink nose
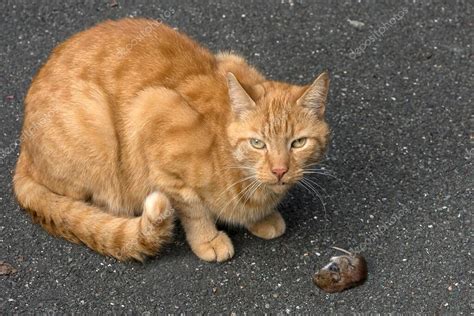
x: 279, y: 172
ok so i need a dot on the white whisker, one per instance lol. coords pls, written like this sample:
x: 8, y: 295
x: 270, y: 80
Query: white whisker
x: 252, y: 193
x: 234, y: 184
x: 313, y: 189
x: 319, y: 186
x: 239, y: 196
x: 239, y: 167
x: 323, y: 174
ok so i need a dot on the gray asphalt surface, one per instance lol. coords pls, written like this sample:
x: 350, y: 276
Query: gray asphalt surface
x: 400, y: 109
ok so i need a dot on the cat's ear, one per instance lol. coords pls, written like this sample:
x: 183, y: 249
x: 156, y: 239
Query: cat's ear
x: 314, y: 97
x: 240, y: 101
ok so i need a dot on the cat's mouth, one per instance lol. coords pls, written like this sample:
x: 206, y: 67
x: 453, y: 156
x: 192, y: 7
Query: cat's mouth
x: 279, y: 187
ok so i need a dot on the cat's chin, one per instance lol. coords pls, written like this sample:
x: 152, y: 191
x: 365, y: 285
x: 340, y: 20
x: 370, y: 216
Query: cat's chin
x: 279, y: 188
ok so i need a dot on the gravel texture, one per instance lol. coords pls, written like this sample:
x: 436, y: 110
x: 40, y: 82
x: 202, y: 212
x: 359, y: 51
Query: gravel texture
x: 402, y: 151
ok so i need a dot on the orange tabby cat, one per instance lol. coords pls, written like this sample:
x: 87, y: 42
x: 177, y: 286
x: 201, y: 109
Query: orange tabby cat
x: 131, y: 120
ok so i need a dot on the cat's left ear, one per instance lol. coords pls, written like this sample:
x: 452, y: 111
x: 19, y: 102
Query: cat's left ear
x: 316, y: 94
x: 240, y: 101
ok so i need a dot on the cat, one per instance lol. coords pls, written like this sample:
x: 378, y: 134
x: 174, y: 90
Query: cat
x: 140, y: 125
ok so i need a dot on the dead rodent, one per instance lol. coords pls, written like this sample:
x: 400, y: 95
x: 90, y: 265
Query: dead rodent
x: 343, y: 272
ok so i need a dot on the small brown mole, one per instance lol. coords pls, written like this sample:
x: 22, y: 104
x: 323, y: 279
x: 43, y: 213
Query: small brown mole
x: 342, y: 272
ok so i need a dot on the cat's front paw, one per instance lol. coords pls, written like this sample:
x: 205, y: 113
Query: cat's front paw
x: 219, y: 249
x: 271, y: 226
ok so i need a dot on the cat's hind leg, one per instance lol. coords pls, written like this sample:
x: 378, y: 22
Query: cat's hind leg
x: 177, y: 151
x: 78, y: 221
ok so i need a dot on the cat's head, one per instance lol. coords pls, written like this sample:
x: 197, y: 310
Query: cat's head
x: 278, y: 130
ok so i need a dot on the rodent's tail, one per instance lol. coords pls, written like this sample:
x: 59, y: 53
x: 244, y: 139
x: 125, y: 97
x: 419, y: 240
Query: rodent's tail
x: 343, y: 250
x: 120, y: 237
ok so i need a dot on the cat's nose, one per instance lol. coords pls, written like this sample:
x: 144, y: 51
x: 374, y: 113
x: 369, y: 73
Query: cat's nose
x: 279, y: 172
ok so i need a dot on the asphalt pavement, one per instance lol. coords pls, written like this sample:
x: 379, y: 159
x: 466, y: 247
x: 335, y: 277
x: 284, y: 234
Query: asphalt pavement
x: 401, y: 156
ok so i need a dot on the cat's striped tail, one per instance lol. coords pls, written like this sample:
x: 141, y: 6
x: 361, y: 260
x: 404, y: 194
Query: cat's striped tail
x: 121, y: 237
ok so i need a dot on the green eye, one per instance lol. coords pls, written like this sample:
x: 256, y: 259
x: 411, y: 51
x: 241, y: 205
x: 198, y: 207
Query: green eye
x: 298, y: 143
x: 256, y: 143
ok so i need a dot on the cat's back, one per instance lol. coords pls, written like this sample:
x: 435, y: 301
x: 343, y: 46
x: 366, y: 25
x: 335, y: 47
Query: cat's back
x: 122, y: 57
x: 130, y: 40
x: 78, y: 101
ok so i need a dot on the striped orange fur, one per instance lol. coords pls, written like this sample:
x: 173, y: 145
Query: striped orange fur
x: 130, y: 123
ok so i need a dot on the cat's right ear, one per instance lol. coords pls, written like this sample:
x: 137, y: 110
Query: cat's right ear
x: 240, y: 101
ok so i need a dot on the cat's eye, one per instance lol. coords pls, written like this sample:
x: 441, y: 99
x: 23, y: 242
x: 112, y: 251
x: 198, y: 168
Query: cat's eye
x: 298, y: 143
x: 257, y: 143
